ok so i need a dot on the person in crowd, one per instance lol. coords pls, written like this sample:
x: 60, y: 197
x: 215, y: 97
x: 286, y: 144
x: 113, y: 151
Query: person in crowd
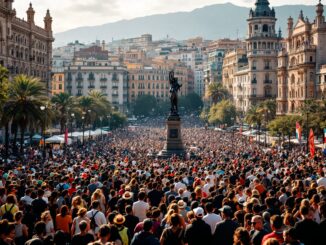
x: 82, y: 237
x: 174, y: 235
x: 96, y: 217
x: 277, y: 227
x: 241, y: 237
x: 211, y: 218
x: 145, y: 237
x: 258, y: 231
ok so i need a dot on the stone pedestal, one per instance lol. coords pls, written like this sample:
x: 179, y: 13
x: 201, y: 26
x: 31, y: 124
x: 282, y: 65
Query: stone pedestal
x: 173, y: 145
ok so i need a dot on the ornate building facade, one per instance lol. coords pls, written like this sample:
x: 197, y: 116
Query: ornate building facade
x: 25, y: 48
x: 302, y: 63
x: 254, y: 71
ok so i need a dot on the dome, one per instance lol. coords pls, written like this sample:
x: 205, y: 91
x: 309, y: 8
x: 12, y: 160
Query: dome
x: 262, y: 9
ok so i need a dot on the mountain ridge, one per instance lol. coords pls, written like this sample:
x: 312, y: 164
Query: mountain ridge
x: 207, y: 21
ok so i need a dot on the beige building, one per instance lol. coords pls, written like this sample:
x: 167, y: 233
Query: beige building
x: 302, y: 63
x: 153, y: 79
x: 254, y: 76
x: 58, y: 85
x: 24, y: 47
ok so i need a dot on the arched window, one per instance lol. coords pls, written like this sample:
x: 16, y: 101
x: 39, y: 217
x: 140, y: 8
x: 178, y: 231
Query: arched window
x: 265, y: 28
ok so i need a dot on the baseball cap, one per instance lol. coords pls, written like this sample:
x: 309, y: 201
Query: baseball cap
x: 226, y: 209
x: 199, y: 212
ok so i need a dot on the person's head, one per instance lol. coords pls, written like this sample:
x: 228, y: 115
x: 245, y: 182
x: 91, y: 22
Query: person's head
x: 82, y: 212
x: 40, y: 228
x: 46, y: 216
x: 226, y: 212
x: 95, y: 204
x: 257, y: 222
x: 276, y: 222
x: 290, y: 235
x: 141, y: 196
x: 289, y: 220
x: 11, y: 199
x: 82, y: 225
x: 104, y: 233
x: 60, y: 238
x: 322, y: 208
x: 175, y: 220
x: 199, y: 213
x: 64, y: 210
x: 209, y: 207
x: 271, y: 241
x: 128, y: 209
x: 241, y: 237
x: 40, y: 193
x: 18, y: 216
x: 305, y: 212
x: 147, y: 225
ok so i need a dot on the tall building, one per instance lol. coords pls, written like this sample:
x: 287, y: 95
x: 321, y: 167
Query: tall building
x: 86, y: 75
x: 302, y: 63
x: 262, y: 47
x: 25, y: 48
x: 153, y: 79
x: 255, y: 75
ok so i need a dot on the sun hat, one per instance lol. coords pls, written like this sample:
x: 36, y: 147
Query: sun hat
x: 182, y: 204
x: 119, y: 219
x: 127, y: 195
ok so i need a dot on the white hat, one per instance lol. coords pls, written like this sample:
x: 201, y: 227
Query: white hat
x: 199, y: 212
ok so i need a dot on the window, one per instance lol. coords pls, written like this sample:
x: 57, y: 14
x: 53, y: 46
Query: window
x: 256, y: 27
x: 265, y: 28
x: 60, y: 86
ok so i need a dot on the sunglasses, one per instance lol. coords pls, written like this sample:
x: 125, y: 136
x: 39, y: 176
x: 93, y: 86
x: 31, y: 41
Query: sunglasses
x: 253, y: 223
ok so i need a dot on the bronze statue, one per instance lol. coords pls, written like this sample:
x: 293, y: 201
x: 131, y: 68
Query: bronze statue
x: 174, y: 88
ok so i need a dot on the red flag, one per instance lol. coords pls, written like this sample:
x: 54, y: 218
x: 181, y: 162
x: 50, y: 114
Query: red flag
x: 66, y: 136
x: 312, y: 143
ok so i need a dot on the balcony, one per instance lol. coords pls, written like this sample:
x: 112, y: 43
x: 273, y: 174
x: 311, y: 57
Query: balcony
x: 266, y: 81
x: 254, y: 81
x: 80, y: 86
x: 91, y: 86
x: 103, y: 79
x: 115, y: 86
x: 69, y: 86
x: 115, y: 95
x: 79, y: 79
x: 267, y: 67
x: 103, y: 86
x: 79, y: 94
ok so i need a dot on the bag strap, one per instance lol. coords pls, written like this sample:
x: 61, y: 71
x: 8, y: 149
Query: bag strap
x: 7, y: 211
x: 94, y: 214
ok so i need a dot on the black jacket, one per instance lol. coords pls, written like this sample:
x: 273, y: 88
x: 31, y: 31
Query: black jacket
x: 224, y: 231
x: 144, y: 238
x: 198, y: 233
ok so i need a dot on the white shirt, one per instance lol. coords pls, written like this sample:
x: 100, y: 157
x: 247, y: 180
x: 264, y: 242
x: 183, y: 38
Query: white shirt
x: 139, y: 208
x: 212, y: 219
x: 179, y: 185
x: 99, y: 218
x: 27, y: 199
x: 206, y: 187
x: 321, y: 181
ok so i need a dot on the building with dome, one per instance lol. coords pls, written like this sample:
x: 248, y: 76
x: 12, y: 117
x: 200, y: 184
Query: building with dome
x: 254, y: 75
x: 302, y: 63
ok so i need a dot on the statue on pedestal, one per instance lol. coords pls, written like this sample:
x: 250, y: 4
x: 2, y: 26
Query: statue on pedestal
x: 174, y: 88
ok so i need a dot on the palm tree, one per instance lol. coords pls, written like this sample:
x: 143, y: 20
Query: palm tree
x: 64, y: 104
x: 4, y: 75
x: 216, y: 92
x: 26, y: 96
x: 255, y: 116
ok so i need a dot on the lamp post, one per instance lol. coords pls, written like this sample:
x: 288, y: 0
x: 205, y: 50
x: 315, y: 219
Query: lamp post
x: 72, y: 118
x: 44, y: 153
x: 101, y: 118
x: 90, y: 125
x: 83, y: 118
x: 109, y: 121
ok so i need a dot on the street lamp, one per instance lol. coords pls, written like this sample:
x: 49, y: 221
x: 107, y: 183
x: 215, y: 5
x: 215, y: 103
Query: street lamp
x: 44, y: 154
x: 72, y: 118
x: 83, y: 118
x: 101, y: 118
x: 89, y: 131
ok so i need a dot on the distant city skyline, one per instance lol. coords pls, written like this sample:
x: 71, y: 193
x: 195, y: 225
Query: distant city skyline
x: 68, y: 14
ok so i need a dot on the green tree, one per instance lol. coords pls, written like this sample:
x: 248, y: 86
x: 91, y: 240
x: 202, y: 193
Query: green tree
x: 144, y: 105
x: 4, y: 121
x: 284, y: 126
x: 117, y: 120
x: 216, y: 92
x: 64, y: 104
x: 192, y: 103
x: 223, y: 112
x: 26, y: 96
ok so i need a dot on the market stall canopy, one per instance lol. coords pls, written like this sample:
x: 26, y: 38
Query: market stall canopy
x: 56, y: 140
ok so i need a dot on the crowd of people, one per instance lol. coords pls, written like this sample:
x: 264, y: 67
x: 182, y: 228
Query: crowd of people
x: 226, y: 190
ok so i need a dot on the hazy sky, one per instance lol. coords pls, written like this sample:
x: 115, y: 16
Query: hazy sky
x: 68, y: 14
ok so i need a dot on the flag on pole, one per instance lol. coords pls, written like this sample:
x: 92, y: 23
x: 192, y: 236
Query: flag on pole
x: 298, y: 131
x: 66, y: 136
x: 324, y: 138
x: 312, y: 143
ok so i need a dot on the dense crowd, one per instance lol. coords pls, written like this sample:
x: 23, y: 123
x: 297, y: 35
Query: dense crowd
x: 225, y: 190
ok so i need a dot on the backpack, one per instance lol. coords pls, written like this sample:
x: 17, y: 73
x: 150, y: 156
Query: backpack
x: 8, y: 215
x: 93, y: 224
x: 124, y: 236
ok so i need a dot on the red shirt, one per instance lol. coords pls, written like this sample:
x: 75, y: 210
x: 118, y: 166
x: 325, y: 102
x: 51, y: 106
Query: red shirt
x: 277, y: 235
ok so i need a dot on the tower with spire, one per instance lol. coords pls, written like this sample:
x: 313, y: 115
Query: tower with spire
x: 30, y: 15
x: 262, y: 46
